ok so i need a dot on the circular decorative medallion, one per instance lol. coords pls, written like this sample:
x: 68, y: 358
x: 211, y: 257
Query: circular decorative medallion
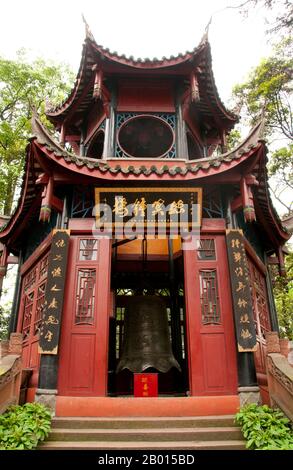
x: 145, y: 137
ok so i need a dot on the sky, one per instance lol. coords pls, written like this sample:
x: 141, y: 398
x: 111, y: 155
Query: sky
x: 150, y: 28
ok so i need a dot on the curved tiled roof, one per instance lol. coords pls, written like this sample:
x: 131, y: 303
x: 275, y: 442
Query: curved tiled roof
x: 133, y: 167
x: 168, y: 169
x: 264, y: 200
x: 28, y: 194
x: 92, y: 52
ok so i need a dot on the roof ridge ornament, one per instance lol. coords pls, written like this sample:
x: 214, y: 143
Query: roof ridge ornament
x: 205, y: 37
x: 263, y: 121
x: 88, y: 33
x: 48, y: 105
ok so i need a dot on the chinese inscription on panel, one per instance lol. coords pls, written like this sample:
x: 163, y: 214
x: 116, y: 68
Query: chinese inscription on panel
x: 242, y: 303
x: 146, y: 385
x: 154, y: 206
x: 50, y: 328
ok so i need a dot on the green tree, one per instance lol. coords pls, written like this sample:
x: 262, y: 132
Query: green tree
x: 269, y: 87
x: 281, y: 169
x: 24, y: 86
x: 234, y: 138
x: 268, y: 90
x: 283, y: 292
x: 4, y: 319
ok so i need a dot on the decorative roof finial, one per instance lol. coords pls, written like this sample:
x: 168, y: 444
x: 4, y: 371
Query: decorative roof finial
x: 88, y: 33
x: 33, y: 109
x: 263, y: 120
x: 208, y: 25
x: 48, y: 105
x: 205, y: 37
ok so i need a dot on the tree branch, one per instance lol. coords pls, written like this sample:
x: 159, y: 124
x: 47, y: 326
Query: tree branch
x: 279, y: 200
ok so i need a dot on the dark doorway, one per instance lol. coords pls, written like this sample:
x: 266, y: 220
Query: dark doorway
x: 136, y: 275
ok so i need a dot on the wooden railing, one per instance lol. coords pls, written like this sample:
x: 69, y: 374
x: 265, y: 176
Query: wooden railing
x: 280, y: 377
x: 10, y: 371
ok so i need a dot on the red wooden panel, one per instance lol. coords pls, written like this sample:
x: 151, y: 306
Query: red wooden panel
x: 34, y: 355
x: 25, y: 355
x: 213, y: 346
x: 83, y: 363
x: 260, y: 313
x: 34, y: 275
x: 213, y: 225
x: 206, y: 340
x: 81, y: 369
x: 145, y: 385
x: 145, y: 96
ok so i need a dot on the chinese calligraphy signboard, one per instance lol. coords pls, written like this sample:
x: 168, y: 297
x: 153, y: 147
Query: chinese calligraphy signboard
x: 242, y: 303
x: 54, y: 294
x: 145, y: 385
x: 149, y: 206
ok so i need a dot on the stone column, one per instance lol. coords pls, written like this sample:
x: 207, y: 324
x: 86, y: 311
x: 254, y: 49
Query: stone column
x: 15, y: 343
x: 273, y: 342
x: 248, y: 388
x: 47, y: 387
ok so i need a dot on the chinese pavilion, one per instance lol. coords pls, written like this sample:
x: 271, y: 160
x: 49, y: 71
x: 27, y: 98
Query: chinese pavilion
x: 95, y: 310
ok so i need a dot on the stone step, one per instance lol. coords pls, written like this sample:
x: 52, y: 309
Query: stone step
x: 168, y: 434
x: 143, y: 445
x: 133, y: 423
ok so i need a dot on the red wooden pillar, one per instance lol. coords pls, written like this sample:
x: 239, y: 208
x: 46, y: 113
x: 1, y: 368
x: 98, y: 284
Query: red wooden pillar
x: 191, y: 300
x: 103, y: 309
x: 209, y: 318
x: 83, y: 364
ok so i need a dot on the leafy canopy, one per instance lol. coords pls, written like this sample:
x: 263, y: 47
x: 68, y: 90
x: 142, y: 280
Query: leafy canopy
x: 24, y: 86
x: 283, y: 293
x: 269, y: 86
x: 268, y: 90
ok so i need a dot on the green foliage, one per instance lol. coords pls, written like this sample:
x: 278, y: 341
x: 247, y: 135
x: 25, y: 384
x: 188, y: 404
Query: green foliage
x: 233, y: 139
x: 24, y: 86
x: 283, y: 293
x: 22, y: 427
x: 265, y: 428
x: 281, y: 169
x: 282, y: 161
x: 268, y: 92
x: 4, y: 320
x: 269, y: 87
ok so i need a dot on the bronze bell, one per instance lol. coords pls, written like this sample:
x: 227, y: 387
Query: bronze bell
x: 146, y: 336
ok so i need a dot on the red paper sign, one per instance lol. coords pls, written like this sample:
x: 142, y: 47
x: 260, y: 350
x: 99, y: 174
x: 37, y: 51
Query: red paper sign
x: 145, y: 385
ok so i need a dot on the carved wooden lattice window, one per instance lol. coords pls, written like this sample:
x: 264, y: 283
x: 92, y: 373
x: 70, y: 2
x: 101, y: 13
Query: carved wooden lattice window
x: 206, y: 249
x: 259, y: 297
x: 212, y: 205
x: 34, y: 285
x: 39, y: 307
x: 85, y: 302
x: 182, y: 332
x: 43, y: 268
x: 88, y: 249
x: 120, y: 311
x: 209, y: 297
x: 82, y: 202
x: 30, y: 279
x: 27, y: 314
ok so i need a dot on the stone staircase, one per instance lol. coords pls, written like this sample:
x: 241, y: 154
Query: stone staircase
x: 188, y: 433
